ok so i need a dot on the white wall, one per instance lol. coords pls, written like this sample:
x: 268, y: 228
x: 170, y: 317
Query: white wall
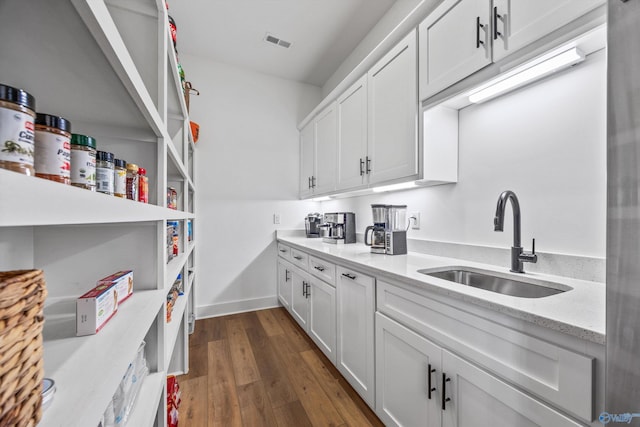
x: 247, y: 170
x: 546, y: 142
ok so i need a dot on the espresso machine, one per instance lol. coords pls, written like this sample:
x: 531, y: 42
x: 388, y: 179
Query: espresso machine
x: 389, y: 230
x: 312, y: 224
x: 339, y: 227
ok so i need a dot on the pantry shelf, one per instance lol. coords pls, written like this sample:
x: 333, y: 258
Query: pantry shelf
x: 87, y: 370
x: 145, y: 410
x: 30, y: 197
x: 174, y: 267
x: 173, y: 327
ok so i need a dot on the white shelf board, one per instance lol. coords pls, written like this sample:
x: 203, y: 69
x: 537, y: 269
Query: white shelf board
x: 172, y: 328
x: 145, y: 411
x: 28, y: 200
x: 87, y: 370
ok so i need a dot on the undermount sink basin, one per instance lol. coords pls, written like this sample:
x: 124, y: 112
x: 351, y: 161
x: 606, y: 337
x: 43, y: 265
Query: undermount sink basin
x: 503, y: 285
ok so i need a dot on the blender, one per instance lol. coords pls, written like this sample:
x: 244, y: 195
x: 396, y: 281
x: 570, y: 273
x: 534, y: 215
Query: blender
x: 378, y: 229
x: 396, y: 230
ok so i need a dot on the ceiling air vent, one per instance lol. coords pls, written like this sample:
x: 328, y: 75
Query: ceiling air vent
x: 278, y: 42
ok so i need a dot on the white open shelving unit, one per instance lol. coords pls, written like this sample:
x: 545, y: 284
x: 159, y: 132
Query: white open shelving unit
x: 109, y: 67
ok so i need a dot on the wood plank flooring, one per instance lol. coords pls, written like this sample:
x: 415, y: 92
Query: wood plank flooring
x: 261, y: 369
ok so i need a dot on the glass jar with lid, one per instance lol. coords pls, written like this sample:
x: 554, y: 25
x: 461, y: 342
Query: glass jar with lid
x: 120, y: 178
x: 83, y: 161
x: 132, y: 181
x: 105, y: 172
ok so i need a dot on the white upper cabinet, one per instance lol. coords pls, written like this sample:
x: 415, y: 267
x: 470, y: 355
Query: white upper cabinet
x: 393, y: 114
x: 516, y: 23
x: 326, y: 126
x: 307, y: 158
x: 352, y: 136
x: 454, y: 43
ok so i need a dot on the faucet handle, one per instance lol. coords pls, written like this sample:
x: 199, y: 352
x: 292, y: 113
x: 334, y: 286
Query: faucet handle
x: 529, y: 256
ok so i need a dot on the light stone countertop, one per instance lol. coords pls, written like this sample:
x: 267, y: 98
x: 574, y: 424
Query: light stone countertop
x: 579, y: 312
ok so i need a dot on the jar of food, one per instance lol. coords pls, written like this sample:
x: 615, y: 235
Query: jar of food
x: 104, y: 172
x: 53, y: 148
x: 120, y: 178
x: 132, y: 181
x: 143, y: 186
x: 83, y: 161
x: 172, y: 198
x: 17, y: 114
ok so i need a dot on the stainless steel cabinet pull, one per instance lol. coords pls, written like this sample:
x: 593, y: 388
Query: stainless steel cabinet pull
x: 313, y: 182
x: 349, y: 276
x: 309, y: 182
x: 319, y: 268
x: 283, y: 250
x: 361, y: 166
x: 286, y: 275
x: 496, y: 16
x: 297, y: 257
x: 478, y: 27
x: 445, y: 399
x: 308, y: 290
x: 304, y: 289
x: 368, y: 165
x: 429, y: 388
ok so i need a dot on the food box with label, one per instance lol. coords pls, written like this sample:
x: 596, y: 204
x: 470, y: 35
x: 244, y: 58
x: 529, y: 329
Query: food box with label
x: 123, y: 281
x: 95, y: 308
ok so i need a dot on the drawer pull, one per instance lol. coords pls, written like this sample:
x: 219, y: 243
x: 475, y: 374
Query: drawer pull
x: 445, y: 399
x: 349, y: 276
x: 318, y: 267
x: 283, y: 250
x: 429, y: 388
x: 297, y: 257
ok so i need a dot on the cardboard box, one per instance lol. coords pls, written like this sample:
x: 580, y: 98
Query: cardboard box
x: 95, y: 308
x: 123, y: 281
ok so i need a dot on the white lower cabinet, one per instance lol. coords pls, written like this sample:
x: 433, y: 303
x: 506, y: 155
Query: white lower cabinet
x: 355, y: 297
x: 322, y: 317
x: 284, y: 284
x: 299, y: 298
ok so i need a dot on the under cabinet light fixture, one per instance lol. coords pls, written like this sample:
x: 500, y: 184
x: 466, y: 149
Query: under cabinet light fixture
x: 270, y: 38
x: 527, y: 75
x: 394, y: 187
x: 321, y: 199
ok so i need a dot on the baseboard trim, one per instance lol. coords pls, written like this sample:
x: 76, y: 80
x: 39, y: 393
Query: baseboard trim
x: 232, y: 307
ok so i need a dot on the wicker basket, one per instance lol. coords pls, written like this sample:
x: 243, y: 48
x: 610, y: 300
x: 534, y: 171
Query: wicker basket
x: 22, y: 295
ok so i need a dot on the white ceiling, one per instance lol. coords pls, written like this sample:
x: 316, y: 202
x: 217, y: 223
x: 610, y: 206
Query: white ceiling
x: 322, y: 33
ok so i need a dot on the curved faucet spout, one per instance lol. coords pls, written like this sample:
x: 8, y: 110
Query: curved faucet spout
x: 498, y: 221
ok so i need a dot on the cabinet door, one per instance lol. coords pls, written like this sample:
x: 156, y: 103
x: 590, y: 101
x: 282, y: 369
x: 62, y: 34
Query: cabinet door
x: 478, y: 399
x: 299, y: 298
x: 322, y: 317
x: 352, y: 136
x: 454, y: 43
x: 407, y: 368
x: 393, y: 114
x: 520, y: 22
x: 284, y: 285
x: 355, y: 311
x: 324, y: 180
x: 307, y: 158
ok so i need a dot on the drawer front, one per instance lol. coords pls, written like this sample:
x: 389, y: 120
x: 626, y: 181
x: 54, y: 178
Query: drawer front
x: 300, y: 259
x: 284, y: 251
x: 356, y: 276
x: 323, y: 270
x: 562, y: 377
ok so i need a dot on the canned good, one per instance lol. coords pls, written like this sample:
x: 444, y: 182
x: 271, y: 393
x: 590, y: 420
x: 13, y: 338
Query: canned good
x: 17, y: 114
x: 83, y: 161
x: 53, y: 148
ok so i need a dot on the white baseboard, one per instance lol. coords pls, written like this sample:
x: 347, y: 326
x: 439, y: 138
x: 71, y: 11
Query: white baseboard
x: 232, y: 307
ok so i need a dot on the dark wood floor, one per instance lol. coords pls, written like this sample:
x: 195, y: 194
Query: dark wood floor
x: 261, y: 369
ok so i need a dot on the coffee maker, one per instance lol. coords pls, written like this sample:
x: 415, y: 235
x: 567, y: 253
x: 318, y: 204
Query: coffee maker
x: 388, y: 232
x: 339, y: 227
x: 312, y: 224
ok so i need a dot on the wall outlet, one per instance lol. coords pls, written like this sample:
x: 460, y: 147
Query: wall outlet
x: 276, y: 218
x: 415, y: 220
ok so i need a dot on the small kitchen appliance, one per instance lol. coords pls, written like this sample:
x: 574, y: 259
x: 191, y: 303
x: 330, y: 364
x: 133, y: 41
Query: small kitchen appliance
x: 388, y: 234
x: 339, y: 227
x: 312, y: 224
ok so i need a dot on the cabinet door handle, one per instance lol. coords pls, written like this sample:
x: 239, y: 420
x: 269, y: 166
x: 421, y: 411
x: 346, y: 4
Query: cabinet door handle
x: 309, y: 182
x: 297, y: 257
x: 286, y: 275
x: 349, y: 276
x: 313, y: 182
x: 361, y: 166
x: 496, y: 16
x: 304, y: 289
x: 308, y: 285
x: 445, y: 399
x: 429, y: 387
x: 368, y: 165
x: 478, y: 27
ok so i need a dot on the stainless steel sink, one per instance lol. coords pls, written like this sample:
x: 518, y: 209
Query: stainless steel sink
x: 503, y: 285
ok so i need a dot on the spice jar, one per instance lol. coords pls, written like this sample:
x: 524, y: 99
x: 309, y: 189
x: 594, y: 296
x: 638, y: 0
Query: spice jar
x: 53, y: 148
x: 83, y: 161
x: 143, y: 186
x: 17, y: 114
x: 120, y: 178
x: 104, y: 172
x: 132, y: 181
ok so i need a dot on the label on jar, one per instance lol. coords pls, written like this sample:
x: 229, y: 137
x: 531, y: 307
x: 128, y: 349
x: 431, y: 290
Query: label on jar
x: 16, y: 137
x: 83, y: 167
x: 120, y: 183
x: 104, y: 180
x: 53, y: 154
